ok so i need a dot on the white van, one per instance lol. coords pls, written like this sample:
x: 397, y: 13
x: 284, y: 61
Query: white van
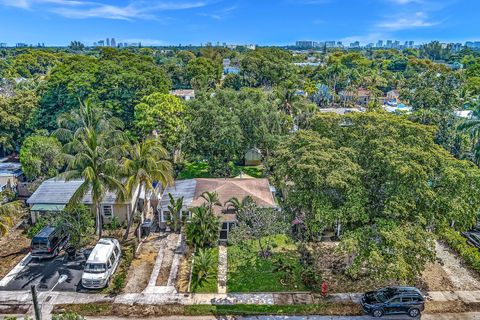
x: 101, y: 264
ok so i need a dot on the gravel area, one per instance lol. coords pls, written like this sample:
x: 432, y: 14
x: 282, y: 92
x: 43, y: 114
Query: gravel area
x: 460, y: 276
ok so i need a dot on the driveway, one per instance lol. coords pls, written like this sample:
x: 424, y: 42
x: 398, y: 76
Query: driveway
x: 45, y: 273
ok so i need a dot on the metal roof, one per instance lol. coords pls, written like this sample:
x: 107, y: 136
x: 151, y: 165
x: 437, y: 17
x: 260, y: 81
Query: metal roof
x: 58, y: 191
x: 181, y: 188
x: 10, y: 169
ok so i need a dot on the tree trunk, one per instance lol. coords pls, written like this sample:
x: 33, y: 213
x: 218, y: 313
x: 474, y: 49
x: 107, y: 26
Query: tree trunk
x: 130, y: 218
x: 99, y: 220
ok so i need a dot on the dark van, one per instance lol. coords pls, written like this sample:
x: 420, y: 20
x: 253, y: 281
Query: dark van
x: 48, y: 242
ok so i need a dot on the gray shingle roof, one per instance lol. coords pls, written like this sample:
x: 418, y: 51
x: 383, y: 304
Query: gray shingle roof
x: 57, y: 191
x: 181, y: 188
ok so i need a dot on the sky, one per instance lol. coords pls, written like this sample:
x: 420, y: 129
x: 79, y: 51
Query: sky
x: 262, y: 22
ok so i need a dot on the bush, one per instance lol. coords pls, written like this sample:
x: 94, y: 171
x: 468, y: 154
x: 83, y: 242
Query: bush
x: 458, y: 243
x: 67, y: 316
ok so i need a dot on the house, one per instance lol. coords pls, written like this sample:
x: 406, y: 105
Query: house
x: 341, y: 111
x: 53, y: 195
x: 466, y: 114
x: 360, y: 96
x: 192, y: 189
x: 253, y: 157
x: 184, y: 94
x: 10, y: 175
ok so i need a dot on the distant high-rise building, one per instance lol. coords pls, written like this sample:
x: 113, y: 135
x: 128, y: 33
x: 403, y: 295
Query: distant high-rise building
x: 21, y: 45
x: 95, y: 44
x: 389, y: 44
x: 113, y: 43
x: 380, y: 44
x: 370, y: 45
x: 339, y: 44
x: 3, y: 45
x: 330, y: 44
x: 307, y: 44
x: 396, y: 44
x: 355, y: 44
x: 411, y: 44
x: 101, y: 43
x: 108, y: 42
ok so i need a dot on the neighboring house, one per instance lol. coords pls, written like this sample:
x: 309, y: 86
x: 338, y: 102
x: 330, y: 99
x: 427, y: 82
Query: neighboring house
x: 53, y: 195
x: 466, y: 114
x: 341, y: 111
x: 360, y: 96
x: 253, y: 157
x: 10, y: 175
x: 192, y: 189
x: 184, y: 94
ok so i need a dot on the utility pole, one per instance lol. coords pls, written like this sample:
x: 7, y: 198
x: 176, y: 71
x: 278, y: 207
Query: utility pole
x: 36, y: 306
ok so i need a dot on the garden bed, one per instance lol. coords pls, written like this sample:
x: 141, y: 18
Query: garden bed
x: 122, y: 310
x: 248, y: 272
x: 211, y: 284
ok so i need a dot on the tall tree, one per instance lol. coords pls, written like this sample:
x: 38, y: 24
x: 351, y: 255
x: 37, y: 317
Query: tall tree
x: 146, y: 163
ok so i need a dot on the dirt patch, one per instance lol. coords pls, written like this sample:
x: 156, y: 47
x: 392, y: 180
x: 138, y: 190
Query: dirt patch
x: 142, y: 266
x: 13, y: 309
x: 461, y: 277
x: 13, y: 248
x: 183, y: 275
x: 167, y: 260
x: 434, y: 278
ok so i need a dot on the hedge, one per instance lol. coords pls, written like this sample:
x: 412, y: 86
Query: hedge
x: 458, y: 243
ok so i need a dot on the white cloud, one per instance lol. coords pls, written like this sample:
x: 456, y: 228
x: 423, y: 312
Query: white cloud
x: 417, y: 20
x: 79, y: 9
x: 220, y: 14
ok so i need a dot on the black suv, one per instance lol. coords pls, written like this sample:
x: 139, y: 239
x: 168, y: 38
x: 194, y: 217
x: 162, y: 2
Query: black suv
x: 393, y: 300
x: 48, y: 242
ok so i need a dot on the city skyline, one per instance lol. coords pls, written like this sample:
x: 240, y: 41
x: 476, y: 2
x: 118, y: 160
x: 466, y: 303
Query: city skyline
x: 57, y: 22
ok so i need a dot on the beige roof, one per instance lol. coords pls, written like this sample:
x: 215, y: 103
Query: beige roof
x: 258, y: 189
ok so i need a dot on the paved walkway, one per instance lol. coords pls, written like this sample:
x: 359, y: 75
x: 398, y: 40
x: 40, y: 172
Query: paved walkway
x: 152, y: 287
x: 222, y: 269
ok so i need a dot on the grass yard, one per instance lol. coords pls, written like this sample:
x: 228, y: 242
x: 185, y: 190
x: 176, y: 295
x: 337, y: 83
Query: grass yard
x: 123, y: 310
x: 200, y: 170
x: 247, y: 272
x: 211, y: 284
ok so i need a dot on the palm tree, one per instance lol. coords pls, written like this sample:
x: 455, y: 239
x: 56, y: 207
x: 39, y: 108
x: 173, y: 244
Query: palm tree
x: 7, y: 213
x: 145, y: 163
x: 93, y: 159
x: 202, y: 231
x: 204, y: 267
x: 211, y: 199
x: 175, y: 208
x: 237, y: 205
x: 87, y: 116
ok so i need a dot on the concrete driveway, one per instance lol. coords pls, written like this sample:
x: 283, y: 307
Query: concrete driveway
x: 45, y: 273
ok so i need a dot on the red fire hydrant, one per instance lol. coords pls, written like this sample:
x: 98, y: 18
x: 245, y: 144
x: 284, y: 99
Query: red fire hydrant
x: 324, y: 289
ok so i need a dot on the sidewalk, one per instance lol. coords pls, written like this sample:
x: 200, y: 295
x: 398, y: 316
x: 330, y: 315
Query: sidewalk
x: 50, y: 299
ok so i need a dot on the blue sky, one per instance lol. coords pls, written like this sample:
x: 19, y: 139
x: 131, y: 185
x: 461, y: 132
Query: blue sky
x: 265, y: 22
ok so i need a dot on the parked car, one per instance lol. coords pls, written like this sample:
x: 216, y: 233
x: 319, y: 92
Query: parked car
x: 101, y: 264
x: 48, y: 242
x: 393, y: 300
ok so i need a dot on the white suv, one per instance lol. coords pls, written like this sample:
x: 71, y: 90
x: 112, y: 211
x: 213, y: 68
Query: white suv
x: 101, y: 264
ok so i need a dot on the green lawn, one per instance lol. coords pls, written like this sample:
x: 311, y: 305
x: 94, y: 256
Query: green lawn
x: 249, y: 273
x: 200, y: 170
x: 211, y: 285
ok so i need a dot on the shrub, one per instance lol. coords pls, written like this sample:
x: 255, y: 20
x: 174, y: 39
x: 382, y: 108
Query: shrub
x: 458, y: 243
x: 67, y: 316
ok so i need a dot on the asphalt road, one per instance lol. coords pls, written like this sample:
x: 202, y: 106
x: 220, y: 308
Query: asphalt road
x: 45, y: 273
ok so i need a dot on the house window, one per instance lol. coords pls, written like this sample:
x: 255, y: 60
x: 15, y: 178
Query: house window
x: 107, y: 211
